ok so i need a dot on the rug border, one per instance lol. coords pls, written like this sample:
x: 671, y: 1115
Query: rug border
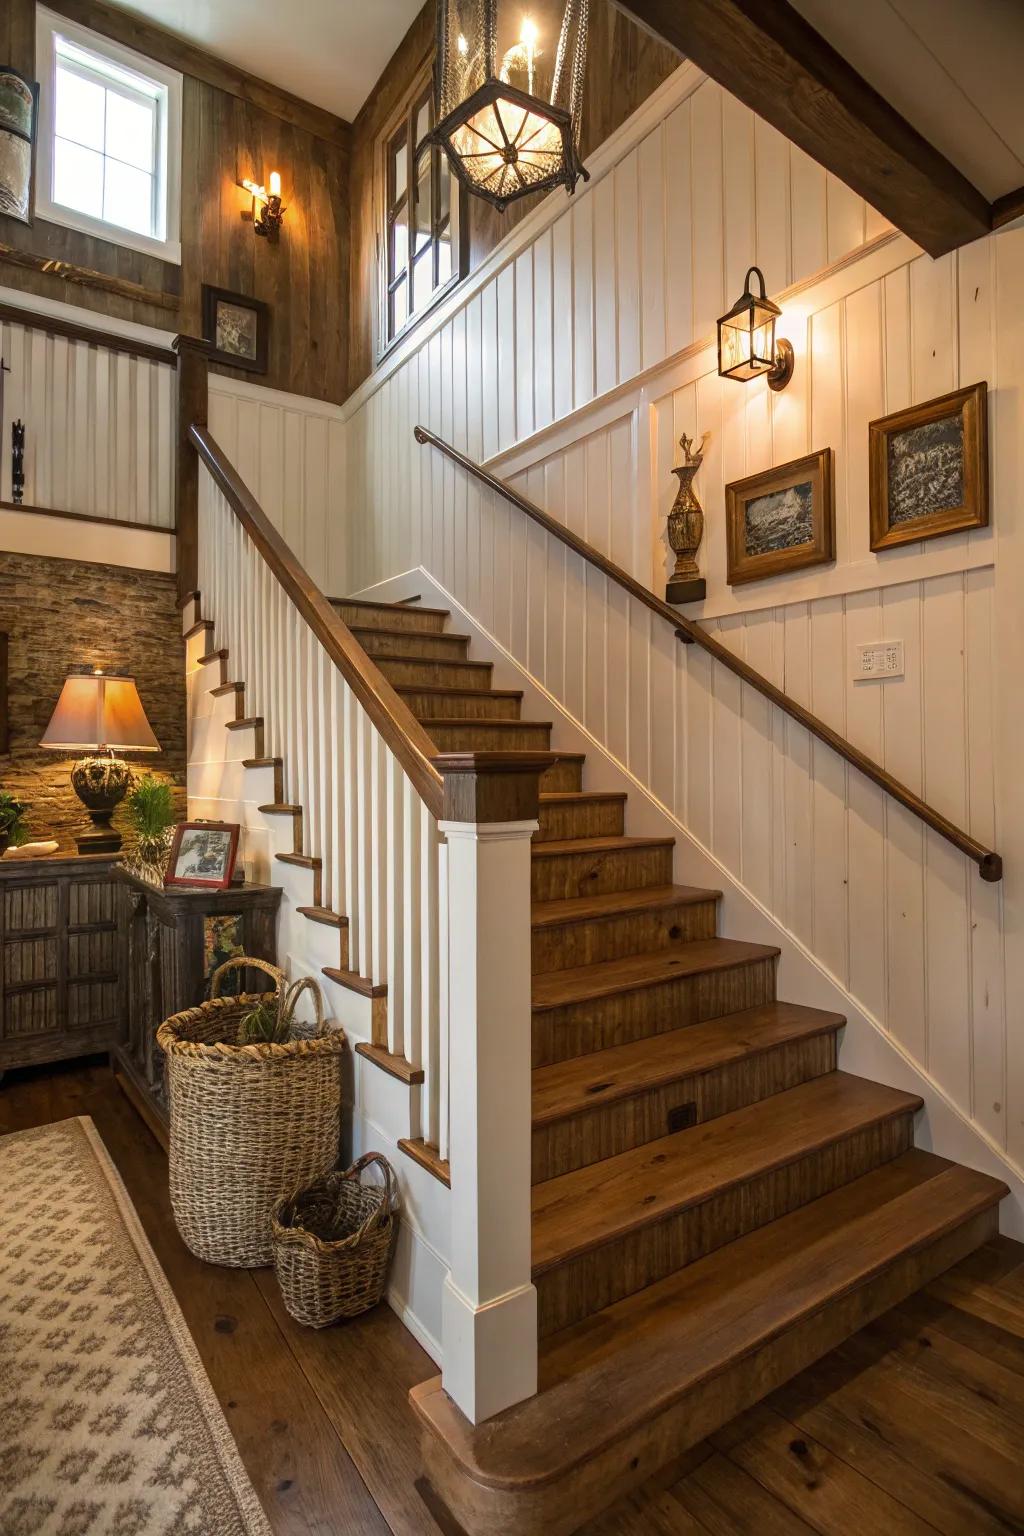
x: 220, y: 1432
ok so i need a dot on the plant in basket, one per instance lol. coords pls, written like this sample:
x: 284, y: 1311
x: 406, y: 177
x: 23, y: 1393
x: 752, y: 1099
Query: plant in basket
x: 255, y: 1110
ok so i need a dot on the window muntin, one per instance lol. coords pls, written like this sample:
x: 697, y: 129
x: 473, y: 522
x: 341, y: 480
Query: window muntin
x: 110, y: 139
x: 421, y: 220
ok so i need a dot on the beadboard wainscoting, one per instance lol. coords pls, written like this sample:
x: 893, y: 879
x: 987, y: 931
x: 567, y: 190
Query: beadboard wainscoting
x: 290, y: 451
x: 569, y: 371
x: 99, y: 438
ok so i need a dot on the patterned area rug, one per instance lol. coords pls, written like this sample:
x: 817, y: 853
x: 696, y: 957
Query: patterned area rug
x: 108, y: 1423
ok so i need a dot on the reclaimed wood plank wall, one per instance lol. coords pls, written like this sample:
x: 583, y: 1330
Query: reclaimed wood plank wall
x: 225, y: 138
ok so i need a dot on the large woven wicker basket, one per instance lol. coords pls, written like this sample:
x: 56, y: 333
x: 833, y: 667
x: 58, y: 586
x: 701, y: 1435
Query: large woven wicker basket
x: 248, y: 1122
x: 333, y: 1244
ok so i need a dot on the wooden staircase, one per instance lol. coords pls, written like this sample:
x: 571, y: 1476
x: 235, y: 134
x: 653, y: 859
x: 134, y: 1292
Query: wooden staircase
x: 715, y: 1205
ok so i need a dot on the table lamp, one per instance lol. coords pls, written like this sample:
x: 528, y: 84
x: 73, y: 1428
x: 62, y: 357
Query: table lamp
x: 99, y: 714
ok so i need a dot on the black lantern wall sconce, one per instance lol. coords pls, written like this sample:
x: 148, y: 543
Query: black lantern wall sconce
x: 747, y: 344
x: 508, y: 96
x: 267, y: 212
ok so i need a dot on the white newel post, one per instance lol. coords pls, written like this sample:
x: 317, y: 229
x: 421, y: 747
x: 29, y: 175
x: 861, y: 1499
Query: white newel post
x: 490, y: 1304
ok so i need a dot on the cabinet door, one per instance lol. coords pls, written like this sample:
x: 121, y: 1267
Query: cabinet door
x: 30, y: 961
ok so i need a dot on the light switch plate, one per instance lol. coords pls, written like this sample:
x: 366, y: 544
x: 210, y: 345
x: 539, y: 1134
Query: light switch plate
x: 878, y: 659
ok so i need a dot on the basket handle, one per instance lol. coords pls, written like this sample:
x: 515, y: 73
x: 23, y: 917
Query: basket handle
x: 245, y: 963
x: 383, y: 1211
x: 306, y: 984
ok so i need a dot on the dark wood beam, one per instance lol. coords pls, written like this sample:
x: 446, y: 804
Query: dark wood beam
x: 768, y: 56
x: 157, y: 43
x: 1007, y: 208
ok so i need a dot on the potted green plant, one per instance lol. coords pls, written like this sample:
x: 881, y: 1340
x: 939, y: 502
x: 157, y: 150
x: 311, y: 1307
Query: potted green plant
x: 13, y: 831
x: 150, y: 812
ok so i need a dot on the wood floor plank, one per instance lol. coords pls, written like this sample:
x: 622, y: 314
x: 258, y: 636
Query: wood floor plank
x: 361, y: 1374
x: 729, y: 1502
x: 808, y: 1478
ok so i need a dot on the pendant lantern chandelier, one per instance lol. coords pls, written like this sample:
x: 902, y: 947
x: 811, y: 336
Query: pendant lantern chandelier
x: 508, y: 89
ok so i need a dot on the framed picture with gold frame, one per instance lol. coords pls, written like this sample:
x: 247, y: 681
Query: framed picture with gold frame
x: 929, y: 469
x: 782, y: 519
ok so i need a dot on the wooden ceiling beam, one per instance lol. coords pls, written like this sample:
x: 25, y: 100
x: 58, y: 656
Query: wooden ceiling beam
x: 767, y: 55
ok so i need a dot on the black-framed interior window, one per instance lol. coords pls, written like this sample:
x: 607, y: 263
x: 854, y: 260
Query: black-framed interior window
x: 421, y: 237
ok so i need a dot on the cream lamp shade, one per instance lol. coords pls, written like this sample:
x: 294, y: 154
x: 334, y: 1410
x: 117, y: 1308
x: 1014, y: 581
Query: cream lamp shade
x: 96, y: 711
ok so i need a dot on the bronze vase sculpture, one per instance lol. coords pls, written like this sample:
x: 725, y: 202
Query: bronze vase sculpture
x: 686, y: 528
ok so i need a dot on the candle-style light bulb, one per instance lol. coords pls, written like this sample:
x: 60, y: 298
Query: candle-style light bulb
x: 275, y: 184
x: 528, y: 37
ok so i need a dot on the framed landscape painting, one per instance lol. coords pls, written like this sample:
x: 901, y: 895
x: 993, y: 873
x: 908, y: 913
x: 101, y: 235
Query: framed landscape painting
x: 929, y: 469
x: 781, y: 519
x: 238, y: 327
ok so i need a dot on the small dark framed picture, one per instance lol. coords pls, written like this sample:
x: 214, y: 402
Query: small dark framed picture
x: 238, y: 328
x: 781, y: 519
x: 203, y: 853
x: 929, y: 469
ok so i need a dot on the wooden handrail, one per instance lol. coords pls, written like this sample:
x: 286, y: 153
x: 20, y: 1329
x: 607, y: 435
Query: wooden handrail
x: 990, y: 864
x: 31, y: 319
x: 395, y: 721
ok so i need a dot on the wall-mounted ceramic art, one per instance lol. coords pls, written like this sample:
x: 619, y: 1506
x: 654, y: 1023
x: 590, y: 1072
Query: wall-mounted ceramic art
x: 18, y: 98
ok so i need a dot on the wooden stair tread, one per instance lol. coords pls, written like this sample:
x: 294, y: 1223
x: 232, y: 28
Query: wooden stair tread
x: 619, y: 1369
x: 253, y: 722
x: 587, y: 1082
x: 485, y: 725
x: 263, y: 762
x: 394, y: 1066
x: 303, y: 860
x: 447, y: 634
x: 449, y: 690
x: 406, y: 607
x: 558, y: 847
x: 212, y: 656
x: 581, y: 796
x: 649, y: 898
x: 592, y: 1206
x: 353, y: 981
x: 631, y: 973
x: 280, y: 809
x: 426, y: 661
x: 324, y: 915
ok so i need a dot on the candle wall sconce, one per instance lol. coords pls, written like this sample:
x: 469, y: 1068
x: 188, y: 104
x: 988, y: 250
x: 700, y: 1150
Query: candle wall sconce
x: 686, y: 528
x: 267, y: 212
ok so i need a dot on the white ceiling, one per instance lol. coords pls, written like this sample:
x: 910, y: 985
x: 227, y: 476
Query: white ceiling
x: 953, y: 68
x: 330, y: 52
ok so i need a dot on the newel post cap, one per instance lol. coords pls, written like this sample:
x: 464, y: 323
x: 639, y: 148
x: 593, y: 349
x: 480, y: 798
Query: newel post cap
x: 491, y: 786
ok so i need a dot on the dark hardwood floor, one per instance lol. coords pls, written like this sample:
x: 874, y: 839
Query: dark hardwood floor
x: 914, y: 1426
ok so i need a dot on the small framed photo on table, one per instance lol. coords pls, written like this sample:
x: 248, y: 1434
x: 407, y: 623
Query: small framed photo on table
x: 929, y: 469
x: 782, y: 519
x: 203, y: 854
x: 238, y: 327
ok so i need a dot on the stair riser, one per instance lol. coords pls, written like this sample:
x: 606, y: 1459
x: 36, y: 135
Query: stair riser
x: 590, y: 818
x: 636, y: 1454
x: 579, y: 1028
x: 433, y: 674
x: 410, y: 619
x: 583, y: 1286
x: 562, y: 876
x: 565, y: 775
x: 426, y: 705
x: 467, y: 736
x: 414, y: 643
x: 607, y: 1130
x: 612, y: 938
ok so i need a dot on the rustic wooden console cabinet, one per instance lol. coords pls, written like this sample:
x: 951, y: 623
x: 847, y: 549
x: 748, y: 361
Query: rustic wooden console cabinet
x: 171, y: 941
x: 59, y: 959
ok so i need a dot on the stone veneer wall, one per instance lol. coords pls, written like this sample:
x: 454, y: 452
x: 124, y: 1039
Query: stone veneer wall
x: 60, y: 614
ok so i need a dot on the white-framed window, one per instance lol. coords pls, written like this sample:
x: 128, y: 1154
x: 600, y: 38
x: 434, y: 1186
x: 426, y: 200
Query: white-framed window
x: 109, y: 159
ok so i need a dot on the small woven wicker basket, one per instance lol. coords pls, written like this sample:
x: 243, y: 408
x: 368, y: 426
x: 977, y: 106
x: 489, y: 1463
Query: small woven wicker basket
x: 248, y: 1122
x: 333, y: 1243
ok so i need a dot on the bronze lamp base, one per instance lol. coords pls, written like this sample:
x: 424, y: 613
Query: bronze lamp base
x: 101, y: 783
